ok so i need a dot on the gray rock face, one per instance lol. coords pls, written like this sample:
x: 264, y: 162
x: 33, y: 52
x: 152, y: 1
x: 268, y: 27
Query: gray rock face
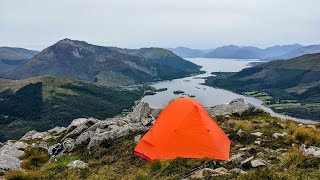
x: 57, y: 130
x: 84, y: 138
x: 77, y: 122
x: 140, y: 113
x: 68, y: 145
x: 40, y: 144
x: 235, y: 107
x: 77, y: 164
x: 9, y: 155
x: 28, y: 135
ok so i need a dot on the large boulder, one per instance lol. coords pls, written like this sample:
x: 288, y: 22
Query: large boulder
x: 235, y: 107
x: 10, y: 154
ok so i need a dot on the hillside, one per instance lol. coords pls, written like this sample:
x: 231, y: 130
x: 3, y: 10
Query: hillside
x: 263, y: 147
x: 188, y: 52
x: 41, y: 103
x: 297, y: 52
x: 10, y: 57
x: 107, y: 66
x: 250, y: 52
x: 292, y: 85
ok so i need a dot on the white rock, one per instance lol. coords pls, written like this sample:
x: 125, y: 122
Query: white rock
x: 77, y: 164
x: 311, y: 126
x: 257, y: 142
x: 137, y: 138
x: 256, y: 163
x: 311, y: 150
x: 277, y: 135
x: 257, y: 134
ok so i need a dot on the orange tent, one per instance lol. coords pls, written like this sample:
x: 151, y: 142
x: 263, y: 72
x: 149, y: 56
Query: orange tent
x: 184, y: 129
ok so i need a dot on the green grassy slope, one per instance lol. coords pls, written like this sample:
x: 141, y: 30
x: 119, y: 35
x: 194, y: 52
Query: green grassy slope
x: 41, y: 103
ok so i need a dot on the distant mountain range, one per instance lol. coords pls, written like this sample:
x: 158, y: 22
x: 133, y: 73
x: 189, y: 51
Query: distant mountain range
x: 10, y: 57
x: 249, y: 52
x: 104, y: 65
x: 293, y: 79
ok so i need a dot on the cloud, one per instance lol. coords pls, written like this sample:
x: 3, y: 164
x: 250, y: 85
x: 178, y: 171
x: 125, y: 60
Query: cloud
x: 165, y: 23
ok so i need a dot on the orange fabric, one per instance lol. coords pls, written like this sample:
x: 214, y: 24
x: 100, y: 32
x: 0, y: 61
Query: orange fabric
x: 184, y: 129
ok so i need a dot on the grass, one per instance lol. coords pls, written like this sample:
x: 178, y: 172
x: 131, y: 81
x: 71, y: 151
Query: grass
x: 115, y: 159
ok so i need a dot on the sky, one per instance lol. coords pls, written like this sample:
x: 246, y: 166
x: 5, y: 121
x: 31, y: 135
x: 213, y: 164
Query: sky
x: 205, y: 24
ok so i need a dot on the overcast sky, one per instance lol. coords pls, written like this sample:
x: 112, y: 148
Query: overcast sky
x: 36, y: 24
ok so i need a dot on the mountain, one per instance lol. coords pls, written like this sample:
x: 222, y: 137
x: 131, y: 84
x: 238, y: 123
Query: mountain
x: 44, y: 102
x: 104, y: 65
x: 250, y: 52
x: 279, y: 50
x: 10, y: 57
x: 297, y: 52
x: 231, y: 51
x: 295, y: 80
x: 188, y: 52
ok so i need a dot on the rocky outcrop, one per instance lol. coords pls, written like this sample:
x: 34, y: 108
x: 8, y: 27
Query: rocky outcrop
x: 10, y: 154
x: 235, y: 107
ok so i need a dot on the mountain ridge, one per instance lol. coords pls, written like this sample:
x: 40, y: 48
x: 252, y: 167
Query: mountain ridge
x: 108, y: 66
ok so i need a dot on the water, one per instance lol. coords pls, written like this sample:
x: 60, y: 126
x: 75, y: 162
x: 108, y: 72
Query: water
x: 208, y: 96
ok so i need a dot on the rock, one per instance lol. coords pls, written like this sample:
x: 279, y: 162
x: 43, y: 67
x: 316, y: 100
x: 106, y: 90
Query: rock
x: 9, y: 155
x: 197, y: 174
x: 257, y: 134
x: 140, y: 113
x: 77, y: 131
x: 57, y: 130
x: 220, y: 170
x: 137, y: 138
x: 40, y: 144
x: 155, y: 112
x: 284, y: 126
x: 84, y: 138
x: 227, y: 116
x: 55, y: 150
x: 77, y: 164
x: 257, y: 163
x: 311, y: 150
x: 208, y: 172
x: 39, y: 135
x: 235, y: 107
x: 245, y: 163
x: 238, y: 171
x: 311, y: 126
x: 245, y: 149
x: 68, y: 145
x: 235, y: 158
x: 240, y: 132
x: 281, y: 149
x: 257, y: 142
x: 277, y: 135
x: 28, y: 135
x: 300, y: 125
x: 77, y: 122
